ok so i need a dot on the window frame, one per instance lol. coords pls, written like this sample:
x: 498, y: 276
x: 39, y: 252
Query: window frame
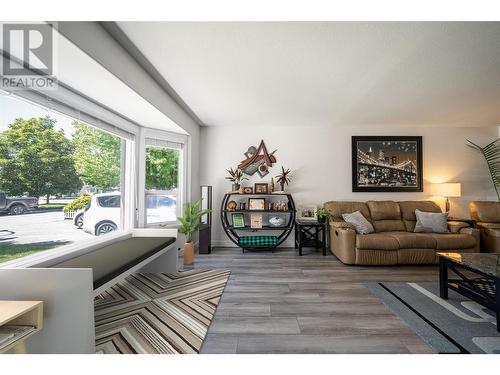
x: 124, y: 129
x: 146, y: 135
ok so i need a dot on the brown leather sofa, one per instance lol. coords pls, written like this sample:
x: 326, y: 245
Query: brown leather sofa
x: 394, y: 241
x: 487, y: 217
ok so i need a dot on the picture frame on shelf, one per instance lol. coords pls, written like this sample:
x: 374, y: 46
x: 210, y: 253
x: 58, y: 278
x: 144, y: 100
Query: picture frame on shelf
x: 308, y: 212
x: 248, y: 190
x: 256, y: 221
x: 261, y: 188
x: 256, y: 204
x: 238, y: 220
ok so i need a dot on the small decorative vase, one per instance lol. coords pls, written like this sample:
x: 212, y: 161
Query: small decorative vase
x: 322, y: 219
x: 236, y: 187
x: 188, y: 253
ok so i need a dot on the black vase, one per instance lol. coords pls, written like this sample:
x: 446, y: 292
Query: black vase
x: 322, y: 219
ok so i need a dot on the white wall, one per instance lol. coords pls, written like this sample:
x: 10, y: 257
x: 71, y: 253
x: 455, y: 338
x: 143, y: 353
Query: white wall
x: 320, y: 160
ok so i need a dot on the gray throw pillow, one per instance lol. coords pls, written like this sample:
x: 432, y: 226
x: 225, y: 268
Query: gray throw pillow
x: 359, y: 222
x: 431, y: 222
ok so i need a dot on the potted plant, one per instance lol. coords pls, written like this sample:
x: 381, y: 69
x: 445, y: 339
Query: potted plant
x: 190, y: 223
x: 323, y: 215
x: 236, y: 177
x: 283, y: 178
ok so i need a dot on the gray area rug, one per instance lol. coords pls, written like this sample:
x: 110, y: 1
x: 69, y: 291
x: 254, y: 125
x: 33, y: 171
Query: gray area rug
x: 455, y: 325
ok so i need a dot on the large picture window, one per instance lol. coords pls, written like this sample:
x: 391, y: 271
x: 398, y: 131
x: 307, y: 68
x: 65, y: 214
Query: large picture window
x: 163, y: 171
x: 60, y: 180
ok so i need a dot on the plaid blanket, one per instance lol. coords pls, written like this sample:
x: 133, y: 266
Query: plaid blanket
x: 258, y: 241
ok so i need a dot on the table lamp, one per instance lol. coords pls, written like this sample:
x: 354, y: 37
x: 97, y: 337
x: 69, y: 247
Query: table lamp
x: 447, y: 190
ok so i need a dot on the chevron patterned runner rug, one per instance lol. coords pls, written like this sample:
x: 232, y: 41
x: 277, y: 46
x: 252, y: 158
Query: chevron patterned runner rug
x: 158, y: 313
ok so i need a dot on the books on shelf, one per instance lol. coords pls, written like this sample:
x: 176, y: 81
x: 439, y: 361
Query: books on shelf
x: 12, y: 333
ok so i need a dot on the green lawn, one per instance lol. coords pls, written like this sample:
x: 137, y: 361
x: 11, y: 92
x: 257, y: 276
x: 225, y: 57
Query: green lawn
x: 14, y: 251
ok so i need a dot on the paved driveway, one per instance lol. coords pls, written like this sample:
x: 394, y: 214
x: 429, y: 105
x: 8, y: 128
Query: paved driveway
x: 43, y: 227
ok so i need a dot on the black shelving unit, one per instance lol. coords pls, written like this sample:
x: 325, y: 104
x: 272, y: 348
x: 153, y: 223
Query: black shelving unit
x: 234, y: 234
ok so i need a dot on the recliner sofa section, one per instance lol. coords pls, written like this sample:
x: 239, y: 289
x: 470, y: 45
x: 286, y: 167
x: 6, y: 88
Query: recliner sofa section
x: 394, y: 241
x: 487, y: 217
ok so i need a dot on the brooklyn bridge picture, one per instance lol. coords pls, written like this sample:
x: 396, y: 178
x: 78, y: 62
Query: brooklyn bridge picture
x: 386, y: 164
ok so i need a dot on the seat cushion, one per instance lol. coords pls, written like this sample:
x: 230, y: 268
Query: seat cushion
x: 408, y: 240
x: 258, y: 241
x: 376, y: 241
x: 450, y: 241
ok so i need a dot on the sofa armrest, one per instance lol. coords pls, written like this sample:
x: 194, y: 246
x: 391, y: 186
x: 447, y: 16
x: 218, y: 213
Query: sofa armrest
x: 476, y: 234
x: 343, y: 241
x: 342, y: 225
x: 456, y: 226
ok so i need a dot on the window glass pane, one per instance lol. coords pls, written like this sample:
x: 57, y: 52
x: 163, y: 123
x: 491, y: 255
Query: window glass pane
x: 162, y: 182
x: 59, y: 180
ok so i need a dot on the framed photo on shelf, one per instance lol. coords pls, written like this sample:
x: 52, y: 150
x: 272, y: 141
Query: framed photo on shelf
x: 248, y: 190
x: 386, y: 163
x: 261, y: 188
x: 238, y: 220
x: 307, y: 212
x: 256, y: 203
x: 256, y: 221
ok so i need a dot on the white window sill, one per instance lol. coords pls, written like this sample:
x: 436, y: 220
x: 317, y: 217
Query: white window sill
x: 166, y: 225
x: 51, y: 257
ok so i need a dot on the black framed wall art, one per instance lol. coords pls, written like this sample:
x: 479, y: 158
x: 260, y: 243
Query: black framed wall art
x: 386, y: 164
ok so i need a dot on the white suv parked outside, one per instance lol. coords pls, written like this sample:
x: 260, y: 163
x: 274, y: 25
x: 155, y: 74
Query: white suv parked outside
x: 102, y: 216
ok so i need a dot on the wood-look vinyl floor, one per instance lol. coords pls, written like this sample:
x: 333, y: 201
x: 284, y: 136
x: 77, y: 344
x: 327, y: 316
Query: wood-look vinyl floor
x: 283, y: 303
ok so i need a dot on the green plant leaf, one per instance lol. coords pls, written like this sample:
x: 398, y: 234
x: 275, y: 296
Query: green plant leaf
x: 491, y: 154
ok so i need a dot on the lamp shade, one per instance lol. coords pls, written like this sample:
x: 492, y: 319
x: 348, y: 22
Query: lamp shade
x: 449, y: 189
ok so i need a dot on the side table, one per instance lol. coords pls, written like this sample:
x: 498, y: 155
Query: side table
x: 310, y: 233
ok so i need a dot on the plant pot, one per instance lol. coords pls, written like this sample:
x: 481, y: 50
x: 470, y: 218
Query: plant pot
x: 188, y: 253
x: 236, y: 187
x: 322, y: 220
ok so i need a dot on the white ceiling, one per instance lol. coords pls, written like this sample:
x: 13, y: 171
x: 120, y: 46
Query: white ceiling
x: 330, y: 73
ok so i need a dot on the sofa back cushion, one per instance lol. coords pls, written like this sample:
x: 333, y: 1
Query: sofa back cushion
x: 408, y: 211
x: 488, y: 212
x: 338, y: 208
x: 386, y: 216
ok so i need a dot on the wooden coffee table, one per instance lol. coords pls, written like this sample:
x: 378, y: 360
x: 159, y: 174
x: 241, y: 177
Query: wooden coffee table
x: 477, y: 278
